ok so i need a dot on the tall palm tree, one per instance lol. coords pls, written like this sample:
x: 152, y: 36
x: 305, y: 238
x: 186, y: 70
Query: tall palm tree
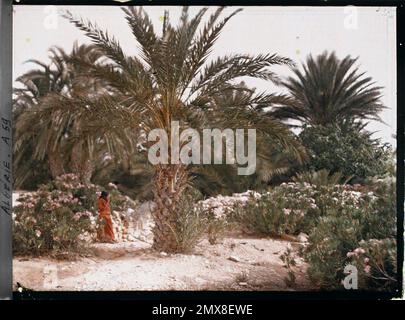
x: 329, y: 90
x: 171, y: 79
x: 33, y: 87
x: 62, y: 137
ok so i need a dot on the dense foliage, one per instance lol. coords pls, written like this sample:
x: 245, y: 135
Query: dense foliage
x: 190, y: 224
x: 347, y: 150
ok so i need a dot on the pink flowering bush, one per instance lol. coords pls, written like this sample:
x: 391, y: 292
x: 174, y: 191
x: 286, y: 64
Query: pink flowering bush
x: 290, y: 208
x: 61, y: 217
x: 51, y: 222
x: 346, y: 231
x: 376, y: 262
x: 286, y: 209
x: 295, y: 207
x: 343, y: 223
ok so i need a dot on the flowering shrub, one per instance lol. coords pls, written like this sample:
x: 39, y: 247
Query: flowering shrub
x: 339, y: 219
x: 290, y: 208
x: 51, y: 222
x: 268, y: 216
x: 376, y: 262
x: 346, y: 231
x: 287, y: 209
x: 336, y: 233
x: 61, y: 216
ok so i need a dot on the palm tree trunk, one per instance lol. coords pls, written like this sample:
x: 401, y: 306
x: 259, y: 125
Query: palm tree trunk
x: 81, y: 164
x: 55, y: 163
x: 86, y: 171
x: 169, y: 184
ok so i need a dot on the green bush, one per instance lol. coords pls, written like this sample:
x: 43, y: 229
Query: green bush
x: 347, y: 150
x: 216, y: 228
x: 335, y: 235
x: 190, y: 224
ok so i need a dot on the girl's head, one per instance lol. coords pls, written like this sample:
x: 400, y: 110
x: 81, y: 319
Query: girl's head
x: 104, y: 195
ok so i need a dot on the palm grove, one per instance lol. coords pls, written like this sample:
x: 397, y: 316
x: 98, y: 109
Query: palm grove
x: 87, y: 111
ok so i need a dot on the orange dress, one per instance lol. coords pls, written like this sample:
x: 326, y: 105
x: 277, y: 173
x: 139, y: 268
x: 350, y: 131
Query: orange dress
x: 105, y: 215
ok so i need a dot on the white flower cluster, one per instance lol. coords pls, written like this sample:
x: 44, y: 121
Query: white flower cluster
x: 220, y: 205
x: 112, y: 186
x: 87, y: 214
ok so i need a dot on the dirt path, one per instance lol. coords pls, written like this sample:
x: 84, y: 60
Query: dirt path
x: 234, y: 264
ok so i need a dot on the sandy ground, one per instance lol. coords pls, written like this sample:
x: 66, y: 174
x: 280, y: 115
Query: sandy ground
x: 233, y: 264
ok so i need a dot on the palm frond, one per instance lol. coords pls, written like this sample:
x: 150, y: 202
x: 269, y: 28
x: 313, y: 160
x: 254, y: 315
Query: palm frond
x: 329, y: 90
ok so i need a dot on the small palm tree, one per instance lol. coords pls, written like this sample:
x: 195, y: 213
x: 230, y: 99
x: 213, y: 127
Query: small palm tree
x: 171, y: 79
x: 329, y: 90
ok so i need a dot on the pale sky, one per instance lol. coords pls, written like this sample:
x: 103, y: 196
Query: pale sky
x: 295, y: 32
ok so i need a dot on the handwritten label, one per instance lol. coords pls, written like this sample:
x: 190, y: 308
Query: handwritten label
x: 5, y: 179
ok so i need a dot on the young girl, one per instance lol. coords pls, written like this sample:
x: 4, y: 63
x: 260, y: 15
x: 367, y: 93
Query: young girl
x: 105, y: 216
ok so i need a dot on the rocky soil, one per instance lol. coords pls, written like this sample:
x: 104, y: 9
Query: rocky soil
x: 238, y: 263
